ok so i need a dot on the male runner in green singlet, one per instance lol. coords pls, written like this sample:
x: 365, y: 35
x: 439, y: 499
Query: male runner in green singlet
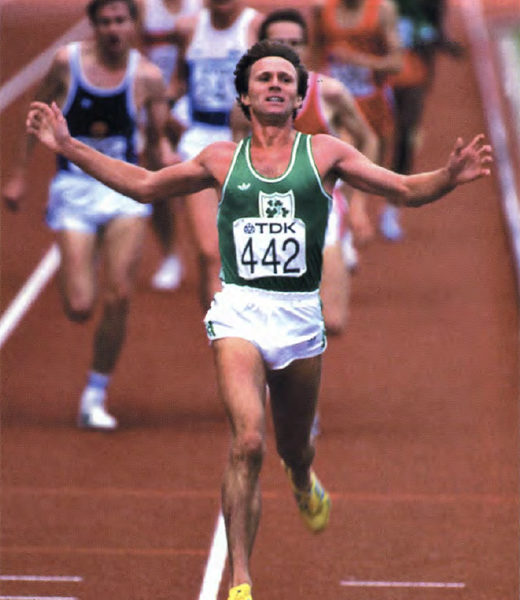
x: 266, y: 324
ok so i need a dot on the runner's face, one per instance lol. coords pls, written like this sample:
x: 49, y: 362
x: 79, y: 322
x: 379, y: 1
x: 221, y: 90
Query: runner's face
x: 273, y: 88
x: 288, y: 33
x: 114, y: 28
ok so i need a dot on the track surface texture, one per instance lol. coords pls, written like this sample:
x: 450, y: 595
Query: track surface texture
x: 419, y: 404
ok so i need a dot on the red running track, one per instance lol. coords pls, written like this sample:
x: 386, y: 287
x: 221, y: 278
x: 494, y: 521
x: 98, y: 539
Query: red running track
x: 420, y: 439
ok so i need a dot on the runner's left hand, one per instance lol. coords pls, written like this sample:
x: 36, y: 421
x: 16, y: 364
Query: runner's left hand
x: 48, y: 124
x: 467, y: 163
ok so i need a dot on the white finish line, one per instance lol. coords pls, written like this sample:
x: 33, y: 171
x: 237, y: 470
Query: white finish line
x: 38, y: 598
x: 42, y: 578
x: 402, y: 584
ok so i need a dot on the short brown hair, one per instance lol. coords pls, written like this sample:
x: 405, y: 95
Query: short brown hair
x: 281, y: 15
x: 95, y: 5
x: 264, y: 49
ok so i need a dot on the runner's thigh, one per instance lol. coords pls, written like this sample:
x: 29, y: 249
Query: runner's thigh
x: 293, y: 397
x: 78, y: 267
x: 241, y: 379
x: 123, y: 244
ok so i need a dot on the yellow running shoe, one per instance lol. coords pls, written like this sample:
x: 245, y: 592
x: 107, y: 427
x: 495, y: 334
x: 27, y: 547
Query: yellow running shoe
x: 314, y: 505
x: 240, y: 592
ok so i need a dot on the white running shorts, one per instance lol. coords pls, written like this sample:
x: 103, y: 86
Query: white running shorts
x: 81, y: 203
x: 283, y: 326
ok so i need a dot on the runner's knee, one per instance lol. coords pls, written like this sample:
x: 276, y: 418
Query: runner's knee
x: 248, y: 448
x: 78, y: 311
x: 118, y: 291
x: 117, y: 302
x: 335, y: 323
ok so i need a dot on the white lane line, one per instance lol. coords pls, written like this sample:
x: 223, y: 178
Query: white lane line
x: 489, y: 90
x: 402, y: 584
x: 33, y: 72
x: 42, y: 578
x: 38, y: 598
x: 509, y: 55
x: 9, y: 92
x: 29, y: 292
x: 216, y: 562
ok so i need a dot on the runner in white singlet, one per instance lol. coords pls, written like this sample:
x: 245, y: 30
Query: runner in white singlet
x: 157, y: 24
x: 213, y: 41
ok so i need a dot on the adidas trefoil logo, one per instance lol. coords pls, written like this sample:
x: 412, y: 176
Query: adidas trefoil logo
x: 244, y: 186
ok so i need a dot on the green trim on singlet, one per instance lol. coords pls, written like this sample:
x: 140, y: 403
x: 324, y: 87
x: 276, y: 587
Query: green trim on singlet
x: 287, y: 214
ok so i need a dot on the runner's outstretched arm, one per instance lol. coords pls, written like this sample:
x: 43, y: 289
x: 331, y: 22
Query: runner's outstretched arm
x: 48, y: 124
x: 466, y: 163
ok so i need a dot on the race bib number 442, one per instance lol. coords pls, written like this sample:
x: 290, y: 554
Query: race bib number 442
x: 269, y: 247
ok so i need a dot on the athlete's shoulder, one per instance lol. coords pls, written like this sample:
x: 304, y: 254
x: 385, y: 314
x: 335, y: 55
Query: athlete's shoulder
x: 257, y: 18
x: 218, y: 150
x: 184, y: 29
x: 254, y: 26
x: 146, y: 69
x: 62, y: 54
x: 148, y: 80
x: 329, y: 147
x: 323, y: 139
x: 333, y: 90
x: 60, y: 63
x: 186, y: 24
x: 216, y: 159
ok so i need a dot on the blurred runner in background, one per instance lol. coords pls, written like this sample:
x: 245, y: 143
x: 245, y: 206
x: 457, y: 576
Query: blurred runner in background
x: 210, y: 45
x: 102, y: 85
x: 421, y: 28
x: 157, y: 26
x: 362, y: 48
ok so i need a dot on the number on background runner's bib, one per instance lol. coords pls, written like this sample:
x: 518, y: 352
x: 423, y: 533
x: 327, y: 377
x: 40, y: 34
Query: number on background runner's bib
x: 269, y: 247
x: 212, y: 84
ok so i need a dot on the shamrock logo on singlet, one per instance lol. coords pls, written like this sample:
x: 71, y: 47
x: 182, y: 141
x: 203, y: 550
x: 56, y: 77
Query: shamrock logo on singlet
x: 277, y: 205
x: 276, y: 209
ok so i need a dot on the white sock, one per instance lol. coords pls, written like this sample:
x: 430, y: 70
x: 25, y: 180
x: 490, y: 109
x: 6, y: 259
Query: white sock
x: 94, y: 393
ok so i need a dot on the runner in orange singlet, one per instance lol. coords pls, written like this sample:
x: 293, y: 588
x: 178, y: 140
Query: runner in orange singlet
x: 362, y: 48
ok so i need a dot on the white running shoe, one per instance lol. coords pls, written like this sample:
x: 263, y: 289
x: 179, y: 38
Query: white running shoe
x: 389, y: 224
x: 96, y: 418
x: 169, y: 274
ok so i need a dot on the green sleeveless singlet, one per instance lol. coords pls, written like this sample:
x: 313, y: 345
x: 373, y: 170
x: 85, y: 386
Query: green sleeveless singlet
x: 272, y: 230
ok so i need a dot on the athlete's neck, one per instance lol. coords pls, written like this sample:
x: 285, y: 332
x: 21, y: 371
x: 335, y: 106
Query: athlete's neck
x: 272, y: 136
x: 113, y: 61
x: 224, y: 19
x: 173, y: 6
